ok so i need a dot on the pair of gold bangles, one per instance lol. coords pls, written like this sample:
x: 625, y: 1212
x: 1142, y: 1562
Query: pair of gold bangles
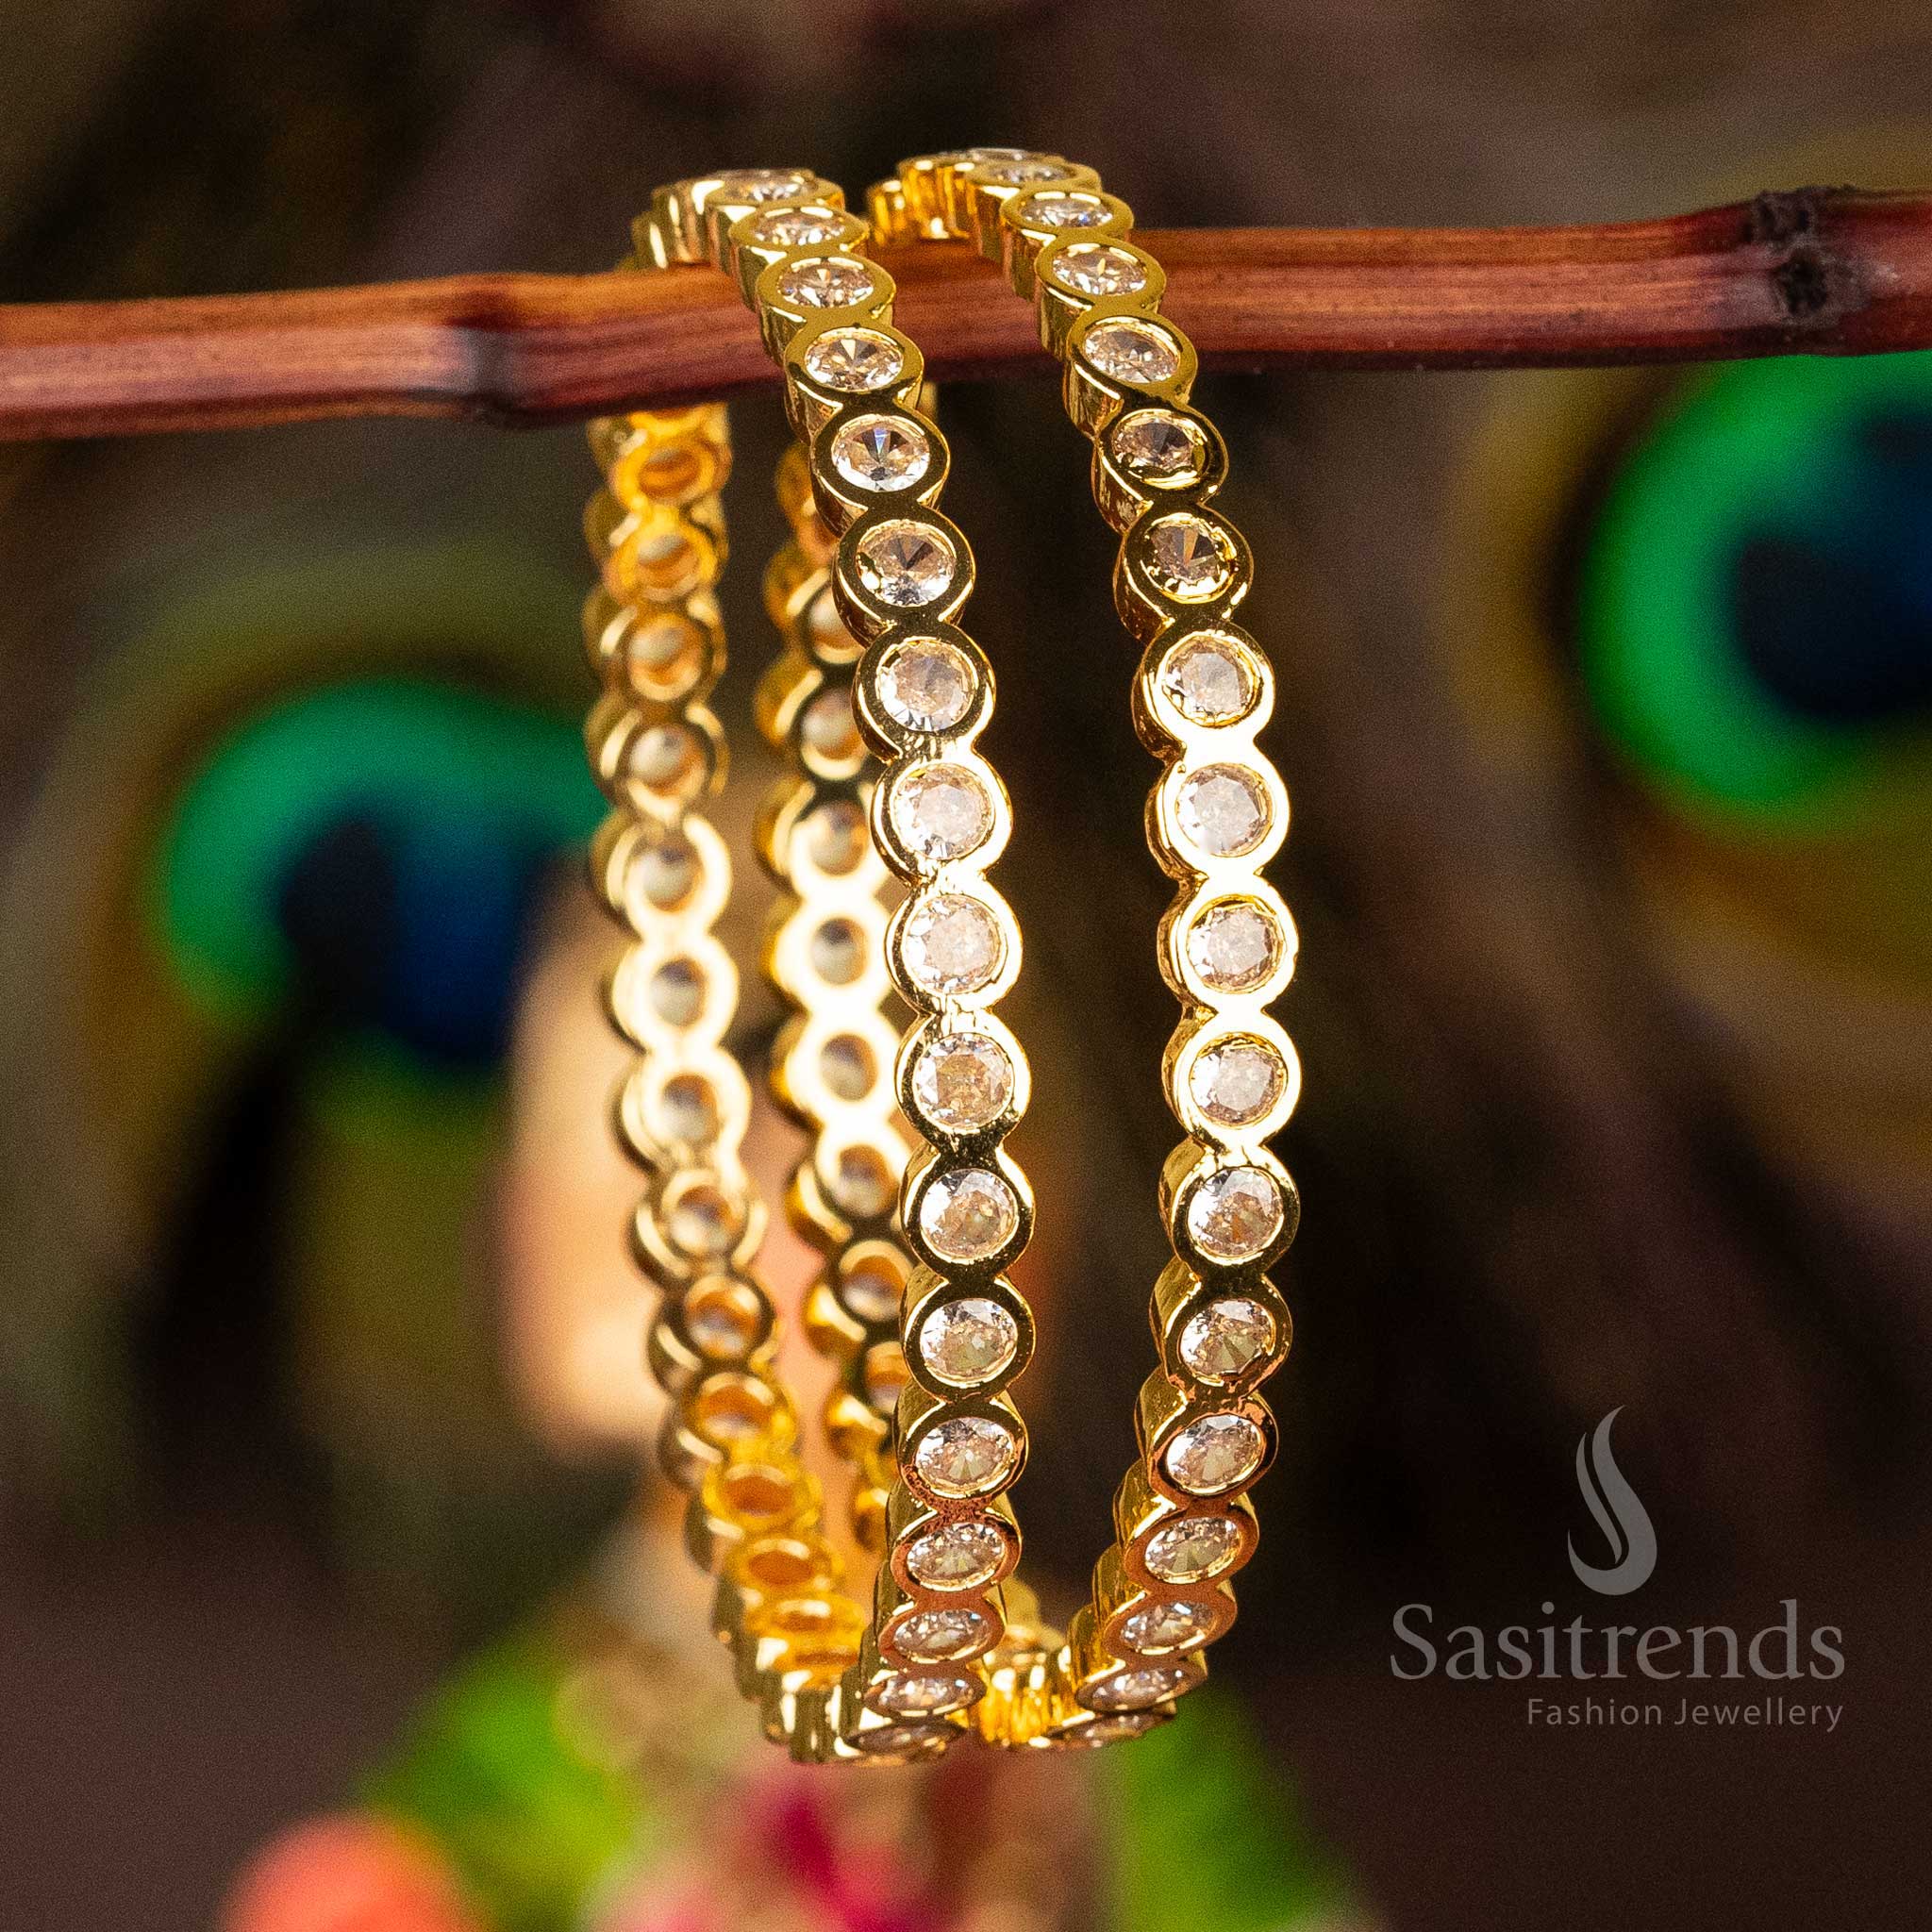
x: 878, y: 700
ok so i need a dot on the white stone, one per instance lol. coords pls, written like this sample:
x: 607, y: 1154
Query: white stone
x: 796, y: 228
x: 871, y: 1290
x: 941, y: 1635
x: 854, y: 360
x: 1216, y: 1453
x: 951, y: 945
x: 926, y: 685
x: 940, y: 812
x: 881, y: 453
x: 1234, y: 945
x: 1137, y: 1688
x: 906, y: 564
x: 1098, y: 267
x: 1192, y: 1547
x: 968, y: 1214
x: 916, y: 1696
x: 1234, y: 1214
x: 832, y: 284
x: 957, y: 1556
x: 838, y: 951
x: 968, y: 1340
x: 1226, y: 1337
x: 1162, y: 1627
x: 761, y: 184
x: 1224, y: 809
x: 847, y: 1066
x: 1131, y: 351
x: 966, y: 1455
x: 1209, y: 681
x: 864, y: 1185
x: 836, y: 835
x: 1160, y: 447
x: 1063, y: 211
x: 1192, y: 558
x: 963, y: 1082
x: 1236, y: 1082
x: 827, y: 725
x: 676, y: 992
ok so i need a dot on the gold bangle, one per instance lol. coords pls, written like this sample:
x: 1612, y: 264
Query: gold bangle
x: 1217, y: 815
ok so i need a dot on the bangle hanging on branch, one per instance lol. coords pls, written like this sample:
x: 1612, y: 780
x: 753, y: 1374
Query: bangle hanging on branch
x: 1820, y: 270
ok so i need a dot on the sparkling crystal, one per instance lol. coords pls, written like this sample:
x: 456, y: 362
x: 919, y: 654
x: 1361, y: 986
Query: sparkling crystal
x: 796, y: 228
x: 1209, y: 681
x: 833, y: 284
x: 1224, y: 809
x: 1109, y: 1731
x: 906, y: 564
x: 666, y: 872
x: 1227, y: 1337
x: 1098, y: 267
x: 854, y: 360
x: 676, y: 992
x: 963, y: 1081
x: 965, y: 1456
x: 916, y: 1696
x: 721, y: 1325
x: 940, y: 812
x: 952, y: 945
x: 1131, y: 351
x: 661, y: 756
x: 1214, y: 1453
x: 863, y: 1183
x: 926, y: 685
x: 907, y: 1741
x: 968, y: 1340
x: 1235, y: 1082
x: 1192, y: 1547
x: 968, y: 1215
x: 1235, y: 1214
x: 688, y: 1108
x: 1063, y: 211
x: 1135, y: 1689
x: 838, y: 952
x: 881, y: 453
x: 1020, y: 169
x: 1160, y: 447
x: 763, y: 184
x: 1234, y: 945
x: 1192, y: 558
x: 835, y: 836
x: 960, y: 1556
x: 827, y: 725
x: 871, y: 1290
x: 1168, y: 1626
x: 939, y: 1636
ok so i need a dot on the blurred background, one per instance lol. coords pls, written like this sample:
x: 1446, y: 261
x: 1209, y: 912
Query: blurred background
x: 328, y: 1600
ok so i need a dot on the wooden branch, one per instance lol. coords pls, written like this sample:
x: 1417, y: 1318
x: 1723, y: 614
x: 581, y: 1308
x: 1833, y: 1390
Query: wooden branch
x: 1826, y: 271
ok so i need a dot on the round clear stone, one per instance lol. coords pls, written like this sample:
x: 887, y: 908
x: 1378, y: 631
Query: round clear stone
x: 1161, y: 1627
x: 863, y: 1183
x: 666, y: 872
x: 661, y: 756
x: 676, y: 992
x: 917, y: 1696
x: 939, y: 1635
x: 1063, y: 211
x: 828, y: 627
x: 827, y: 725
x: 1135, y: 1689
x: 940, y: 812
x: 834, y: 284
x: 906, y: 564
x: 1160, y: 447
x: 966, y: 1341
x: 838, y: 951
x: 1234, y: 945
x: 1098, y: 267
x: 1131, y: 351
x: 906, y: 1739
x: 871, y: 1291
x: 1021, y: 169
x: 1224, y: 809
x: 960, y: 1555
x: 763, y: 184
x: 1111, y: 1730
x: 1214, y: 1453
x: 1192, y: 1547
x: 951, y: 945
x: 846, y: 1066
x: 1209, y: 681
x: 965, y: 1456
x: 796, y: 228
x: 1234, y: 1214
x: 854, y: 360
x: 881, y: 453
x: 1226, y: 1337
x: 964, y: 1082
x: 1236, y: 1082
x: 926, y: 685
x: 968, y: 1215
x: 1192, y: 558
x: 836, y: 835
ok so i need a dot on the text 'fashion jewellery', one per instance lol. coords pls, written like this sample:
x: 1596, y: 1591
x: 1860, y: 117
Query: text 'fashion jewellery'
x: 953, y: 1643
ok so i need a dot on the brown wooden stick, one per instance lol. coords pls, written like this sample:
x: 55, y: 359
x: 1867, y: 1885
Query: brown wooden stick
x: 1829, y: 270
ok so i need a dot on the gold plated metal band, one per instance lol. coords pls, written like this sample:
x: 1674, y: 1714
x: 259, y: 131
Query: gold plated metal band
x: 1217, y: 815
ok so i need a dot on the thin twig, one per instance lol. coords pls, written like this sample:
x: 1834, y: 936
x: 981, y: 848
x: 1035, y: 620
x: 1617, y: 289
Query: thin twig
x: 1823, y: 271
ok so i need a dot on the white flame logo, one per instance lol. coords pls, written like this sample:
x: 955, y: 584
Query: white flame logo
x: 1619, y: 1514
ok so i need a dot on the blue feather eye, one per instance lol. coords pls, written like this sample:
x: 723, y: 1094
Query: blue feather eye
x: 1755, y: 609
x: 374, y: 851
